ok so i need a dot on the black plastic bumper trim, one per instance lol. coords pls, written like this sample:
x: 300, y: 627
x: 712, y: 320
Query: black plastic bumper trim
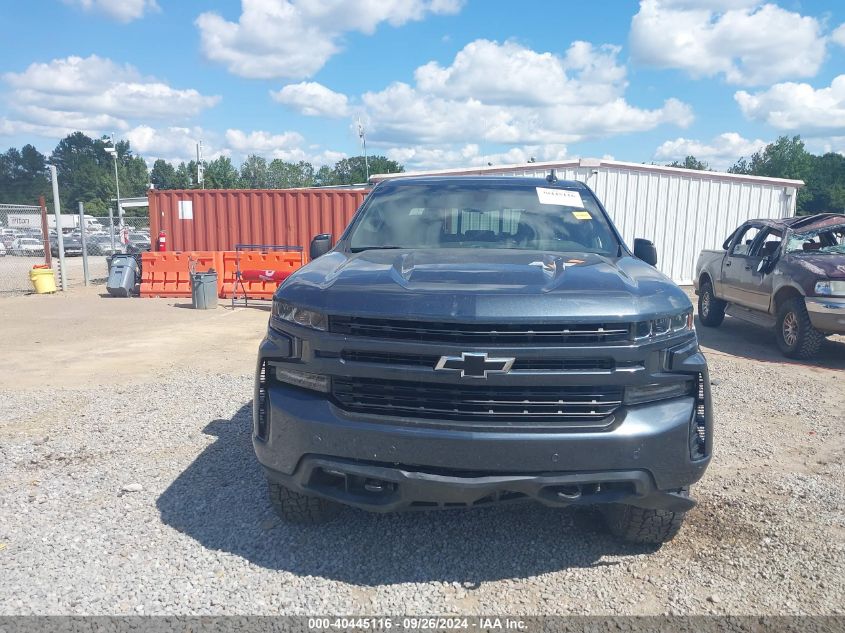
x: 382, y: 488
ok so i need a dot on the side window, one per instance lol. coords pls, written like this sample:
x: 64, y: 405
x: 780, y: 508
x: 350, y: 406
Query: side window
x: 768, y: 244
x: 742, y: 246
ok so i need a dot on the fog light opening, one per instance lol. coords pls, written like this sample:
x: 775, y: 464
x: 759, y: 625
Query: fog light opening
x: 569, y: 493
x: 375, y: 486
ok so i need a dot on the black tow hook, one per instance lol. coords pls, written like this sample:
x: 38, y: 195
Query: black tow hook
x: 569, y: 493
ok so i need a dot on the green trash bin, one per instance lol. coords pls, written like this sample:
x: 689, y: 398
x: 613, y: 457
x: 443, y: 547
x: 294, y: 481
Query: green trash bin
x: 204, y: 290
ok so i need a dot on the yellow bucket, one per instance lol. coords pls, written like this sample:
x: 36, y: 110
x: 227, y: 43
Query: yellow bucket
x: 42, y: 280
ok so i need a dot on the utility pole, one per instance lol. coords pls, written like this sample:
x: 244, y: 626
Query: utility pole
x: 45, y: 232
x: 57, y: 208
x: 362, y: 135
x: 113, y: 151
x: 83, y: 231
x: 200, y: 169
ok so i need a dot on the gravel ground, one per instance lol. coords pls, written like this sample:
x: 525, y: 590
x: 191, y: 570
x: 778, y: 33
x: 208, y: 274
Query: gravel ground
x: 146, y: 499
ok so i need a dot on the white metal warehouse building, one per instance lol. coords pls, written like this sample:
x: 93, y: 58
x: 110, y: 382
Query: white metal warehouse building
x: 681, y: 210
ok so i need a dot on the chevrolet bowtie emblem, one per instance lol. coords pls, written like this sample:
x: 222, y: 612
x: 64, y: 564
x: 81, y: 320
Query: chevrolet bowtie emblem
x: 473, y: 365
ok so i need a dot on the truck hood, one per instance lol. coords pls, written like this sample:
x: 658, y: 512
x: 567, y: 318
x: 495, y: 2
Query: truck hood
x: 483, y: 284
x: 829, y: 265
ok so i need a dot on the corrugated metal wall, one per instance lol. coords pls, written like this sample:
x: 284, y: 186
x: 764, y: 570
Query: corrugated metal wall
x: 682, y: 214
x: 681, y: 211
x: 221, y: 218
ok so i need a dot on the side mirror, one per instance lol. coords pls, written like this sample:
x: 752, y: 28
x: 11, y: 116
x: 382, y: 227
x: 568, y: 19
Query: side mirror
x: 320, y: 245
x: 644, y: 250
x: 765, y: 264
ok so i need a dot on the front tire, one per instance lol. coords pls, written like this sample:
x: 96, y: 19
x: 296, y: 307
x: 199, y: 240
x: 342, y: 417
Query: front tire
x: 796, y: 336
x: 643, y: 525
x: 711, y: 311
x: 295, y: 507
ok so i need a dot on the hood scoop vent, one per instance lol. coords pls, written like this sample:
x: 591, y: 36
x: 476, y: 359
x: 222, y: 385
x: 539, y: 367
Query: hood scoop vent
x: 408, y: 269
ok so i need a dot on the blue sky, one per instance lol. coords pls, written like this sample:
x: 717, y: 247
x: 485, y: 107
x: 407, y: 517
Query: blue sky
x: 437, y: 83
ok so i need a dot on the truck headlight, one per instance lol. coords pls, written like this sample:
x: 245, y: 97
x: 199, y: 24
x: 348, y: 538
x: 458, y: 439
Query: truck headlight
x: 829, y: 288
x: 666, y: 325
x: 649, y: 393
x: 286, y: 311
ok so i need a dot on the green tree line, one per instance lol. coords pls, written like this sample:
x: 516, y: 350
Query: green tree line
x: 86, y: 173
x: 823, y: 175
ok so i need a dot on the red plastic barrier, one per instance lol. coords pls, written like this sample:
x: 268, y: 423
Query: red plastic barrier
x: 265, y: 275
x: 276, y: 262
x: 168, y: 274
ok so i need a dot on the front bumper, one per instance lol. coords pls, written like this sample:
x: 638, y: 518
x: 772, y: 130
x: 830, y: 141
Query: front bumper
x: 827, y: 314
x: 387, y: 489
x: 308, y: 443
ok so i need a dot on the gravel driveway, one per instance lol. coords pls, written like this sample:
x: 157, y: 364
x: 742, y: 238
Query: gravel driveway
x: 145, y: 498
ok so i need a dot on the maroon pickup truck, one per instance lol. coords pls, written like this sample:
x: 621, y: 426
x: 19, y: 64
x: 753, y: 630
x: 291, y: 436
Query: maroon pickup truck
x: 787, y: 275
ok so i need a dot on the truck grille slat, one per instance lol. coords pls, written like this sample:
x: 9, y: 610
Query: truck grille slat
x: 566, y: 405
x: 482, y: 333
x: 521, y: 364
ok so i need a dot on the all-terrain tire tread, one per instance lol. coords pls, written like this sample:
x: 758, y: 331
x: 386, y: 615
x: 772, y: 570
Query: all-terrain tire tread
x: 717, y: 307
x: 644, y: 525
x: 809, y: 338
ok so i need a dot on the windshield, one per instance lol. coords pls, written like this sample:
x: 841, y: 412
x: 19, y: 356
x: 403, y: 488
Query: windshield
x: 830, y: 239
x: 477, y: 216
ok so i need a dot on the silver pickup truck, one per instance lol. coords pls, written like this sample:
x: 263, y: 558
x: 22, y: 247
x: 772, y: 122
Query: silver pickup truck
x: 787, y: 275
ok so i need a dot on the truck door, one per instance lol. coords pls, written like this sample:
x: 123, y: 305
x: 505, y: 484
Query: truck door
x: 735, y: 261
x: 756, y: 286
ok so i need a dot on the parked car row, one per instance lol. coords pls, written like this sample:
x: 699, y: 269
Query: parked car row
x: 28, y: 242
x: 27, y: 247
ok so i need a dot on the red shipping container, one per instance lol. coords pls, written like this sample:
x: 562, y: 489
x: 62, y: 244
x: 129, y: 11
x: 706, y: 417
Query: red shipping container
x: 218, y: 219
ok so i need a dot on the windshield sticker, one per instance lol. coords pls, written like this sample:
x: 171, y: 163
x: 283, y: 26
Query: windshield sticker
x: 416, y: 211
x: 560, y: 197
x: 582, y: 215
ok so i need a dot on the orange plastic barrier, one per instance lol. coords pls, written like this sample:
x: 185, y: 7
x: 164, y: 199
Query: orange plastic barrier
x: 167, y: 274
x: 284, y: 261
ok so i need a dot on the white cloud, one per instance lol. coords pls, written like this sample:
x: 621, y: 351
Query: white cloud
x: 95, y: 95
x: 288, y: 146
x: 838, y: 35
x: 826, y: 144
x: 120, y: 10
x: 798, y: 107
x: 579, y: 96
x: 260, y: 142
x: 444, y: 157
x: 721, y: 152
x: 174, y: 144
x: 744, y: 41
x: 313, y: 99
x: 295, y: 38
x: 509, y: 73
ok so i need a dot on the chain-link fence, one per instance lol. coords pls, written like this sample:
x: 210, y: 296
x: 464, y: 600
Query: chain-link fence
x: 104, y: 238
x: 21, y: 246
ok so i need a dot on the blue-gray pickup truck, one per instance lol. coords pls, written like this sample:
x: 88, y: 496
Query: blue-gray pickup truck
x: 470, y: 341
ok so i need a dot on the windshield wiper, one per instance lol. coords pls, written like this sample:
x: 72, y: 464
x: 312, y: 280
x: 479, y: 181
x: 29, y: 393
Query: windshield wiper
x: 384, y: 247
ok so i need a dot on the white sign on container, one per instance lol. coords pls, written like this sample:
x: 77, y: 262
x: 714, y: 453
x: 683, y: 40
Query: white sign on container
x: 186, y: 209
